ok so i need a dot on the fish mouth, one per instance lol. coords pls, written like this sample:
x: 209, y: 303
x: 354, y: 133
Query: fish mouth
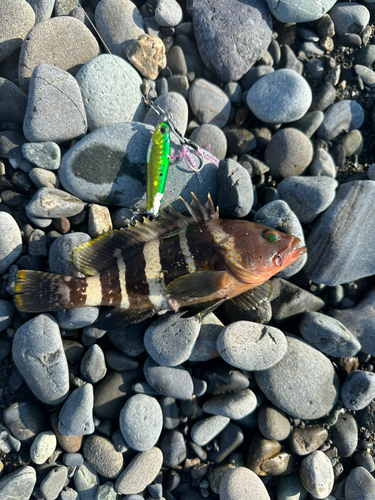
x: 289, y: 254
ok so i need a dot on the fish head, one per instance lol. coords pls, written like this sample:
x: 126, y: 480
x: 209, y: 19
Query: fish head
x: 161, y: 133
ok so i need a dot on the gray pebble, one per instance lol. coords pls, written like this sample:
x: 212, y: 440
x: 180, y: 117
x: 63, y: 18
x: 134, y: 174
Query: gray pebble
x: 328, y: 335
x: 172, y: 445
x: 278, y: 215
x: 118, y: 24
x: 55, y: 42
x: 349, y: 18
x: 230, y: 58
x: 76, y: 418
x: 358, y: 390
x: 109, y: 90
x: 360, y: 485
x: 141, y: 472
x: 39, y: 355
x: 54, y: 482
x: 344, y: 435
x: 171, y: 414
x: 10, y: 241
x: 234, y: 92
x: 13, y: 102
x: 237, y: 483
x: 251, y: 346
x: 336, y: 242
x: 302, y: 12
x: 54, y: 203
x: 343, y: 115
x: 309, y: 123
x: 227, y: 441
x: 37, y: 244
x: 366, y: 75
x: 170, y: 339
x: 212, y: 137
x: 169, y: 381
x: 72, y: 319
x: 205, y: 346
x: 235, y: 190
x: 288, y: 300
x: 60, y: 253
x: 26, y: 419
x: 43, y: 9
x: 289, y: 487
x: 209, y: 103
x: 172, y: 103
x: 316, y: 473
x: 102, y: 456
x: 273, y: 423
x: 86, y: 482
x: 106, y: 491
x: 7, y: 311
x: 311, y: 49
x: 280, y: 97
x: 72, y: 459
x: 305, y: 440
x: 168, y: 13
x: 205, y: 430
x: 254, y: 74
x: 222, y: 379
x: 308, y: 196
x: 288, y: 153
x: 43, y: 447
x: 99, y: 220
x: 93, y: 366
x: 352, y: 142
x: 43, y: 178
x: 323, y: 164
x: 119, y: 361
x: 18, y: 484
x: 53, y: 95
x: 304, y: 370
x: 324, y: 96
x: 141, y: 422
x: 45, y: 155
x: 234, y: 405
x: 365, y: 56
x: 17, y: 18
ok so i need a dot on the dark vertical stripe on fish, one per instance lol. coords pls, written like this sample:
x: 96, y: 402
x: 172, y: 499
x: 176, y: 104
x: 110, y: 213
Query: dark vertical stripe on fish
x: 110, y: 286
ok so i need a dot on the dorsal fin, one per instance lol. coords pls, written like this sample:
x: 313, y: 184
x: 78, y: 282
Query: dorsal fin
x: 98, y: 254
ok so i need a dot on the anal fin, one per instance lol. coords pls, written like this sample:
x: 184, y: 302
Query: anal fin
x: 251, y: 299
x: 198, y: 284
x: 118, y: 317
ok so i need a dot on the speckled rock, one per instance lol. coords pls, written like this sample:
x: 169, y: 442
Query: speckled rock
x: 45, y: 155
x: 242, y: 484
x: 16, y: 20
x: 102, y: 456
x: 299, y: 12
x: 76, y: 416
x: 18, y: 484
x: 209, y: 103
x: 316, y: 473
x: 10, y: 241
x: 358, y: 389
x: 342, y: 115
x: 43, y: 446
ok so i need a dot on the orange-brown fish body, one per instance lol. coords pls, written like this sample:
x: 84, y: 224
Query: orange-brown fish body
x: 164, y: 265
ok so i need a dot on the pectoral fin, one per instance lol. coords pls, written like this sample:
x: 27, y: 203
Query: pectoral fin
x: 199, y: 284
x: 251, y: 299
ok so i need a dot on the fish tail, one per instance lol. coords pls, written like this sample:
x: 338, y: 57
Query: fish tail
x: 36, y: 291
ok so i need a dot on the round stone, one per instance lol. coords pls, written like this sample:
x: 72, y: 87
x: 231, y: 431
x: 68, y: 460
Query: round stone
x: 207, y: 429
x: 305, y: 440
x: 234, y: 405
x: 141, y: 422
x: 175, y: 382
x: 18, y: 484
x: 301, y: 12
x: 212, y: 137
x: 242, y: 484
x: 43, y: 446
x: 288, y: 153
x: 280, y: 97
x: 360, y: 484
x: 273, y: 424
x: 316, y: 473
x: 209, y: 103
x: 168, y: 13
x: 10, y: 241
x: 251, y: 346
x: 358, y: 389
x: 76, y: 416
x: 349, y: 17
x: 16, y: 20
x: 341, y: 116
x: 345, y: 435
x: 304, y: 370
x: 102, y: 456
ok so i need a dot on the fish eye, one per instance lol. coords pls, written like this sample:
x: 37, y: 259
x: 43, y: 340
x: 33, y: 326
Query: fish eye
x: 163, y: 129
x: 270, y: 236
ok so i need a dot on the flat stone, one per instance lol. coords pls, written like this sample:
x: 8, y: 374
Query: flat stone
x: 43, y: 446
x: 205, y: 430
x: 230, y: 58
x: 168, y: 13
x: 273, y: 423
x: 54, y: 203
x: 76, y: 416
x: 288, y: 153
x: 308, y: 196
x: 53, y: 95
x: 301, y: 12
x: 251, y: 346
x: 171, y: 413
x: 26, y: 419
x: 55, y: 42
x: 209, y: 103
x: 45, y: 155
x: 340, y: 116
x: 309, y: 123
x: 118, y: 23
x: 235, y: 190
x: 280, y: 97
x: 242, y: 484
x: 18, y: 484
x: 10, y: 241
x: 328, y: 335
x: 349, y: 18
x: 278, y: 215
x: 141, y: 472
x: 360, y: 485
x: 304, y: 370
x: 54, y: 482
x: 305, y: 440
x: 13, y: 101
x: 39, y: 355
x: 358, y: 390
x: 169, y: 381
x: 234, y: 405
x: 345, y: 435
x: 102, y: 456
x: 17, y: 18
x: 110, y: 90
x: 316, y: 473
x: 336, y: 242
x: 141, y: 422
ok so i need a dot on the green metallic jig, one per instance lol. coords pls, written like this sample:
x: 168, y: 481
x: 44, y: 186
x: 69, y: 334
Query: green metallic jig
x: 157, y: 167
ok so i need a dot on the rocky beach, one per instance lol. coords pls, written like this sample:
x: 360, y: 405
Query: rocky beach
x: 278, y: 97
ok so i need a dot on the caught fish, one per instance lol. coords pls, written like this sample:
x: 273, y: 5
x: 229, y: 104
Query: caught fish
x: 157, y: 167
x: 170, y: 263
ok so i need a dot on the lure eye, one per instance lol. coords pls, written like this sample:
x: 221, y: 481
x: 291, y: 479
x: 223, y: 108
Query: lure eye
x: 270, y: 236
x: 163, y: 129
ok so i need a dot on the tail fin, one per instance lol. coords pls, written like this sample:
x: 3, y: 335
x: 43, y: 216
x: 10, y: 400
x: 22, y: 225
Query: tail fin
x: 41, y: 292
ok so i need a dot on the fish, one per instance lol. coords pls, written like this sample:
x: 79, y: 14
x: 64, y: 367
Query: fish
x: 158, y: 154
x: 173, y: 262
